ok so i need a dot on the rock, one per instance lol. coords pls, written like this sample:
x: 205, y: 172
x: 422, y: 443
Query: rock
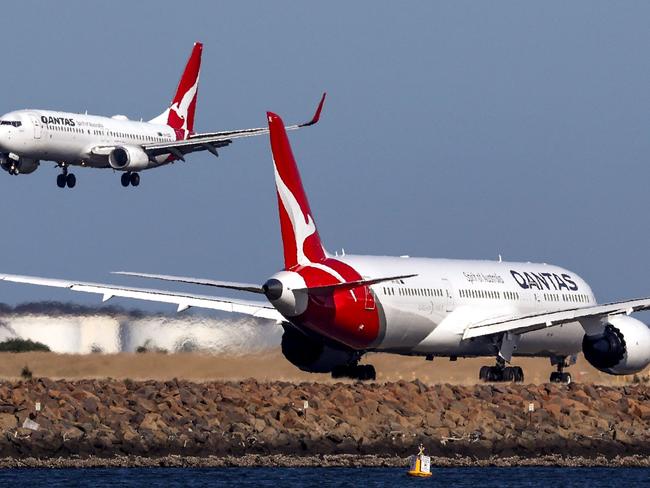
x: 72, y: 434
x: 554, y: 410
x: 639, y: 410
x: 8, y: 421
x: 151, y: 421
x: 151, y: 418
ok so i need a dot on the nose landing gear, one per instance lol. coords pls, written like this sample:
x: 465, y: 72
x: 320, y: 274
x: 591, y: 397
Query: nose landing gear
x: 560, y: 376
x: 129, y: 178
x: 65, y: 178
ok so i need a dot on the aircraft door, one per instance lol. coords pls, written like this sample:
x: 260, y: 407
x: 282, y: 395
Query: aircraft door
x: 38, y: 128
x: 449, y: 295
x: 369, y: 298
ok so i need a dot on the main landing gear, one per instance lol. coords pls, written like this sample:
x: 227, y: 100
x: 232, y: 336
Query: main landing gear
x: 65, y: 178
x: 361, y: 372
x: 501, y: 373
x: 129, y: 178
x: 560, y: 376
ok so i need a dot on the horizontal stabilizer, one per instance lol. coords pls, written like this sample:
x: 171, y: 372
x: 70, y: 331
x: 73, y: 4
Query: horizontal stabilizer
x: 346, y: 285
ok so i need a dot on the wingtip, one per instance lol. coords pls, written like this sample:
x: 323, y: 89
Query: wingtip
x: 319, y: 109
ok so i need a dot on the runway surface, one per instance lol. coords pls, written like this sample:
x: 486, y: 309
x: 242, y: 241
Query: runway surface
x: 270, y: 365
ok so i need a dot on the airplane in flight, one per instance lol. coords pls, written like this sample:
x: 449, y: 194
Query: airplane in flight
x: 336, y: 308
x: 69, y: 139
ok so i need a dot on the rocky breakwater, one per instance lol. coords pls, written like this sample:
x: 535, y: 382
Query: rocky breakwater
x: 63, y: 419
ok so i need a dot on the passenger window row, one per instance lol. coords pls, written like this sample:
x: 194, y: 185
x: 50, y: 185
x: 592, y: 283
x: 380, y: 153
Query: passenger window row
x: 567, y: 297
x: 102, y: 133
x: 490, y: 294
x: 413, y: 292
x: 577, y: 298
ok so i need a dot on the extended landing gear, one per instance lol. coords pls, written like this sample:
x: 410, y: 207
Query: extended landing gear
x: 501, y: 373
x: 560, y: 376
x: 132, y: 179
x: 66, y: 179
x: 356, y: 372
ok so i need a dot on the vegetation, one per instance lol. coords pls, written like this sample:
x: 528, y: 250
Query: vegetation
x: 147, y: 347
x: 22, y: 345
x: 26, y: 373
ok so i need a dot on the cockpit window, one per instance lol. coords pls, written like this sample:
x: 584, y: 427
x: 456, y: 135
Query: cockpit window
x: 15, y: 123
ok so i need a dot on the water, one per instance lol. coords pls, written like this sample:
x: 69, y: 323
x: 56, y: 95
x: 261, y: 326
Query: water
x: 327, y: 477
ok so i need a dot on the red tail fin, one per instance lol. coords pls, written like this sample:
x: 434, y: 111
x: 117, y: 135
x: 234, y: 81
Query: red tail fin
x: 180, y: 114
x: 300, y: 237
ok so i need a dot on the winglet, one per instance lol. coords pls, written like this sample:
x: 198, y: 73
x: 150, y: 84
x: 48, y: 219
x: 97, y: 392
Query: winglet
x: 316, y: 117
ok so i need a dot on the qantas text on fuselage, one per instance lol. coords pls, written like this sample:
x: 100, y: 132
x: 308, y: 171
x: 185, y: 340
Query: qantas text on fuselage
x: 28, y: 137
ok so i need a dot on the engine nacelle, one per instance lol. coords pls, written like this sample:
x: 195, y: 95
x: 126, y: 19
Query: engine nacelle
x: 20, y: 165
x: 286, y: 292
x: 128, y: 158
x: 312, y: 355
x: 622, y: 348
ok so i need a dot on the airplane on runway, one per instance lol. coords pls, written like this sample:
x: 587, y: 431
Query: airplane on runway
x: 335, y: 309
x: 70, y: 139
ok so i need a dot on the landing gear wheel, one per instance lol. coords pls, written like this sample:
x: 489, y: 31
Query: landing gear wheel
x: 367, y: 372
x: 519, y: 374
x: 483, y: 373
x: 60, y: 180
x: 498, y: 374
x: 356, y: 372
x: 339, y: 372
x: 126, y: 179
x: 135, y: 179
x: 561, y: 377
x: 71, y: 180
x: 508, y: 374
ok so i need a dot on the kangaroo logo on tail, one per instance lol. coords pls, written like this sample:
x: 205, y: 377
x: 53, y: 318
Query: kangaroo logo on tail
x: 301, y: 242
x: 180, y: 114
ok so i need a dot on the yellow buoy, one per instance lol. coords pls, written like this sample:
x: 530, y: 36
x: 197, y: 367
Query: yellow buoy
x: 420, y: 465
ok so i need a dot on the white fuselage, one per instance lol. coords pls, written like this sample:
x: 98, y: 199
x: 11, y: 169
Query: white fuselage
x: 427, y: 314
x: 71, y: 138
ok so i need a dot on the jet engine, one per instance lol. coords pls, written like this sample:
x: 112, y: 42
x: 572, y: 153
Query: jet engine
x: 18, y: 166
x: 312, y: 355
x: 622, y: 348
x: 128, y: 158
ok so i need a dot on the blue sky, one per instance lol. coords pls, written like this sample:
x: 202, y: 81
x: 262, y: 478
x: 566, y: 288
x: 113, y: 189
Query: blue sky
x: 452, y: 129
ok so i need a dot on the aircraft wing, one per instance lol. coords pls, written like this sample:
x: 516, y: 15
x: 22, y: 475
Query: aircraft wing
x: 182, y: 300
x: 530, y: 323
x: 252, y: 288
x: 211, y: 141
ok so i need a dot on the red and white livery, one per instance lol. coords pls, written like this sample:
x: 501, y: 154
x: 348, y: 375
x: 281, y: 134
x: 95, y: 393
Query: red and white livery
x: 28, y: 137
x: 335, y: 309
